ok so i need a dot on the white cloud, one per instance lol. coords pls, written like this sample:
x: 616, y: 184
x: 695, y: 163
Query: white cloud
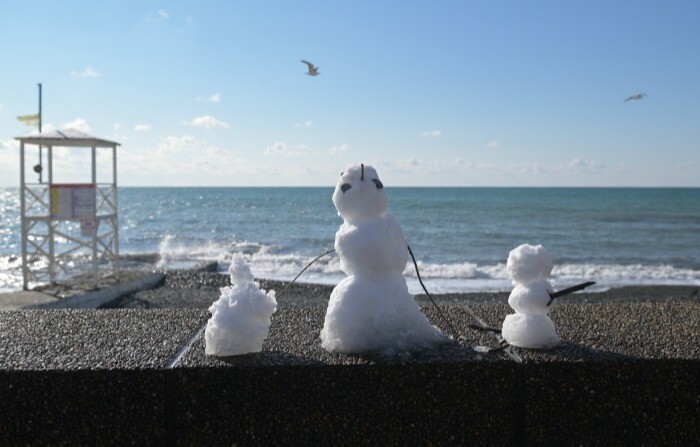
x: 48, y: 127
x: 1, y: 107
x: 215, y: 98
x: 10, y: 144
x: 528, y: 168
x: 579, y: 165
x: 208, y: 122
x: 9, y: 162
x: 157, y: 16
x: 142, y: 128
x: 88, y: 72
x: 182, y: 159
x: 440, y: 167
x: 307, y: 123
x: 688, y: 165
x: 173, y: 144
x: 431, y: 133
x: 117, y: 126
x: 492, y: 144
x: 78, y: 124
x: 403, y: 165
x: 281, y: 149
x: 339, y: 149
x: 621, y: 168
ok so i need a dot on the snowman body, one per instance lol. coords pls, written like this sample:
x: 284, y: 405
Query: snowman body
x: 530, y: 326
x: 371, y: 309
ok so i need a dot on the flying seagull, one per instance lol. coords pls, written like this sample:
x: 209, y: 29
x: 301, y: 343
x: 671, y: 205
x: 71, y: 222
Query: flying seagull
x: 313, y: 70
x: 635, y: 97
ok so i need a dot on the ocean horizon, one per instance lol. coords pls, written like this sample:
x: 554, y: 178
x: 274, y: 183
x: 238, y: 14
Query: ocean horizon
x: 461, y: 236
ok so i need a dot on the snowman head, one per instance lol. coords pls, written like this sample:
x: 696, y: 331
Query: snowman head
x: 359, y: 194
x: 528, y: 263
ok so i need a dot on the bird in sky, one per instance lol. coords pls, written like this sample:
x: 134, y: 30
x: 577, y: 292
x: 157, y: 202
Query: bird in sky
x: 313, y: 70
x: 635, y: 97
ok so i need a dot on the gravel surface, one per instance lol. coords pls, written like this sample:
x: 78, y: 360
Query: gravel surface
x: 294, y: 340
x: 615, y: 330
x: 194, y: 289
x: 79, y: 285
x: 630, y: 322
x: 626, y: 373
x: 590, y: 332
x: 94, y: 339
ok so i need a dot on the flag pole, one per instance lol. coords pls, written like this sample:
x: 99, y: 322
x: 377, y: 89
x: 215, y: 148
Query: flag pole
x: 40, y: 148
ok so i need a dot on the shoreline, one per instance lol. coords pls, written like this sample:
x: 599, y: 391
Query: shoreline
x: 197, y: 286
x: 199, y: 289
x: 438, y: 286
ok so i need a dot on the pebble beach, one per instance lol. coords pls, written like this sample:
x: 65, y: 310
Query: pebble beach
x: 628, y: 357
x: 198, y: 289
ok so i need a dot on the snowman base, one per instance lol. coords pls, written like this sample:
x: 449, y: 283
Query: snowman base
x: 530, y: 331
x: 376, y: 314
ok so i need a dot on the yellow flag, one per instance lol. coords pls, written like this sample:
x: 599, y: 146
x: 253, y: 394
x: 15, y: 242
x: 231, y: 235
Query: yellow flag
x: 30, y: 120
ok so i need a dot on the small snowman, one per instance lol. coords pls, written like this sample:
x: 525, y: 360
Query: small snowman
x: 240, y: 318
x: 530, y: 326
x: 371, y: 309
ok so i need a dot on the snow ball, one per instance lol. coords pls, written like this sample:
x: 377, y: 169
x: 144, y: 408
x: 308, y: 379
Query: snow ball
x: 375, y: 247
x: 527, y: 263
x: 240, y: 318
x: 532, y: 298
x: 359, y: 194
x: 530, y: 331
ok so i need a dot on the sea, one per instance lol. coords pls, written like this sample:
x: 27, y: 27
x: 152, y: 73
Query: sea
x: 460, y: 237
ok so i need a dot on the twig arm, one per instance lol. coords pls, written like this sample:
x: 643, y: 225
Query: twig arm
x: 569, y: 290
x: 485, y: 328
x: 303, y: 270
x: 442, y: 315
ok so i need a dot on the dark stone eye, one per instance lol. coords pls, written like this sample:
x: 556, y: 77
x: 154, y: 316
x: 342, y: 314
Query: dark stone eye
x: 342, y: 173
x: 378, y: 183
x: 344, y: 187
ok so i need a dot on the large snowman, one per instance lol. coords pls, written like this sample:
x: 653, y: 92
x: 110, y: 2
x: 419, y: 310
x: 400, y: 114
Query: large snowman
x: 371, y: 309
x: 530, y: 326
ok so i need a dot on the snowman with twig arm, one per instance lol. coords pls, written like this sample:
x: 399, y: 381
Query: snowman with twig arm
x: 530, y: 326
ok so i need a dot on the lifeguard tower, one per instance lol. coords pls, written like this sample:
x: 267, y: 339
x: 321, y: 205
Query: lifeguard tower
x: 66, y: 224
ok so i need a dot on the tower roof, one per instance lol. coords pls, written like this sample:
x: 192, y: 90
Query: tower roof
x: 66, y: 137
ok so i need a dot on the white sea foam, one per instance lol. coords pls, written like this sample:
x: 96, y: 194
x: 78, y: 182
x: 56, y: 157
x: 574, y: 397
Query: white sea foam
x: 10, y: 273
x: 176, y: 253
x: 471, y: 277
x: 272, y: 263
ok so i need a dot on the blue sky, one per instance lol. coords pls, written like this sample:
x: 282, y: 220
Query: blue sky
x: 432, y: 93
